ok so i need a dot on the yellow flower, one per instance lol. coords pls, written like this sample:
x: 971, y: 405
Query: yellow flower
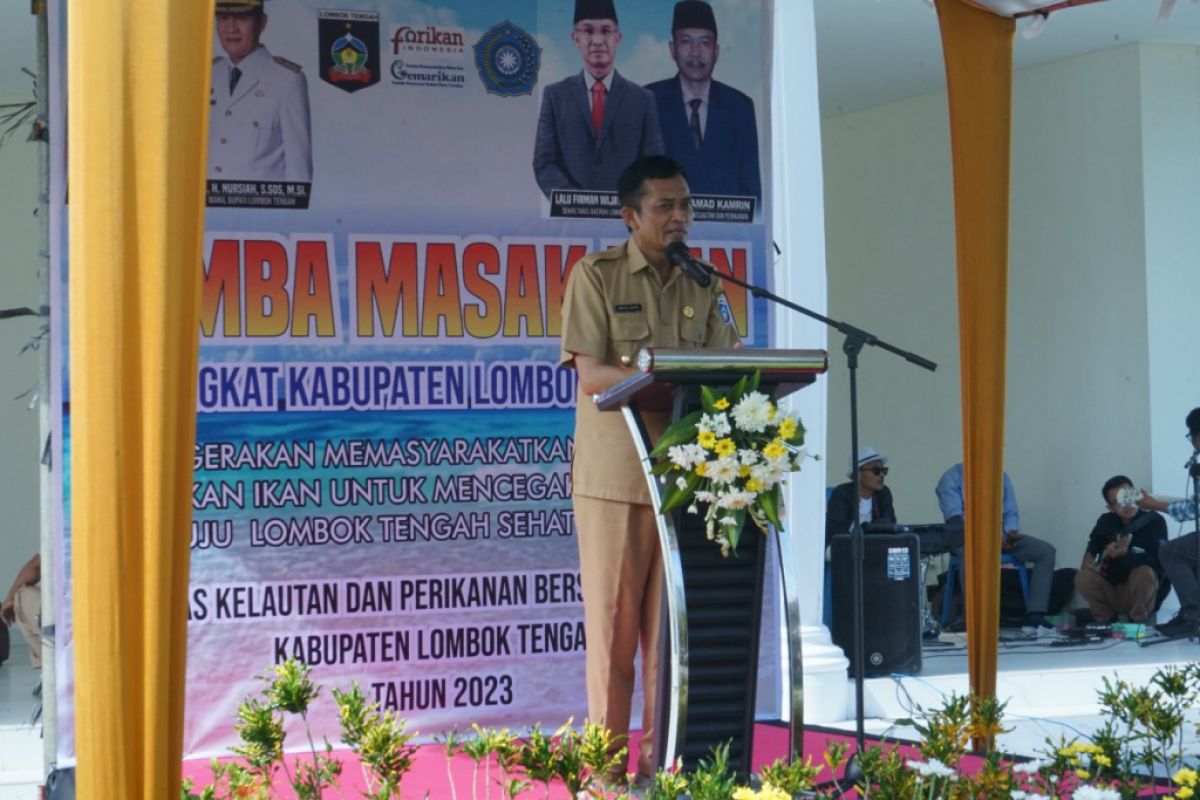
x: 754, y: 485
x: 1184, y: 792
x: 706, y: 439
x: 1185, y: 777
x: 1083, y: 774
x: 702, y: 468
x: 1102, y: 760
x: 774, y: 449
x: 787, y: 428
x: 721, y: 404
x: 726, y: 447
x: 744, y: 792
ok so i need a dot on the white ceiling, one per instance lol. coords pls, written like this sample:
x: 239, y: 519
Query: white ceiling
x: 871, y: 52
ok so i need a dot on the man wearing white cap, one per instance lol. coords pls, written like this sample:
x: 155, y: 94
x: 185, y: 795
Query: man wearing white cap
x: 866, y: 487
x: 259, y: 127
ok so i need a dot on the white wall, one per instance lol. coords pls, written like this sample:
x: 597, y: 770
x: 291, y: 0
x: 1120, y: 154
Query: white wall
x: 19, y: 286
x: 1170, y: 87
x: 1091, y: 250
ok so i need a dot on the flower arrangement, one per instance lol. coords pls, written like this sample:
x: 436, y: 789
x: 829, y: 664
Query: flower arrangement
x: 731, y: 456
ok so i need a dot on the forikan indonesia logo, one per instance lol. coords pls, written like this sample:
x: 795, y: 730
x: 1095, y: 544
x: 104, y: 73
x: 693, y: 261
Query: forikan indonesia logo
x: 410, y: 40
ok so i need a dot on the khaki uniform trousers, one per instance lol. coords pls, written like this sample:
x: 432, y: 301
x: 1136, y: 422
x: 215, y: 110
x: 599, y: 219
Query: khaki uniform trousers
x: 1135, y: 597
x: 28, y: 607
x: 620, y: 565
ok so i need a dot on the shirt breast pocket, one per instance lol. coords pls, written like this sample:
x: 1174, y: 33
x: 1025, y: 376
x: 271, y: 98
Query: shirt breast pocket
x: 629, y: 334
x: 692, y: 332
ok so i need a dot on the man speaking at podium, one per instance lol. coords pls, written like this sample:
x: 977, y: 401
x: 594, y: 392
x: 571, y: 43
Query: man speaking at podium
x: 616, y: 303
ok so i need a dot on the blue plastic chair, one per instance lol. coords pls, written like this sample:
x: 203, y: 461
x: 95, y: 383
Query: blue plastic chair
x: 1007, y: 561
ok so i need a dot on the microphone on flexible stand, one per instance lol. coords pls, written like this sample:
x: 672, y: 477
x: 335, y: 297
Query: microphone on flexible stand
x: 679, y: 255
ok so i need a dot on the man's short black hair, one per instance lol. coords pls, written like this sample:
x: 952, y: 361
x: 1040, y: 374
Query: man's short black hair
x: 1115, y: 482
x: 1193, y: 422
x: 631, y: 186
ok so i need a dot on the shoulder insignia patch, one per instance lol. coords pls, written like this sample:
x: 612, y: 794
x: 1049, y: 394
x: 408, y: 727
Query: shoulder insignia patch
x: 724, y: 310
x: 283, y: 62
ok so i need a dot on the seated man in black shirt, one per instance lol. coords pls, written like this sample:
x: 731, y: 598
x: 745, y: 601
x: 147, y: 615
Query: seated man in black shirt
x: 1120, y: 573
x: 865, y: 488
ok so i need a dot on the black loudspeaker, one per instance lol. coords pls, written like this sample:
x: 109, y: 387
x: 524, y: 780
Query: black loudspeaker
x: 891, y: 602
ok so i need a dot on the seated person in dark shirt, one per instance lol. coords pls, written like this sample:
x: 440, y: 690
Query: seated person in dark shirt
x: 865, y: 488
x: 1120, y: 573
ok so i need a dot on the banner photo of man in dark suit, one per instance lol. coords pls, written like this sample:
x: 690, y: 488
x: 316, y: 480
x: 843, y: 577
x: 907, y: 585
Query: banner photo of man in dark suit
x: 707, y: 126
x: 595, y: 123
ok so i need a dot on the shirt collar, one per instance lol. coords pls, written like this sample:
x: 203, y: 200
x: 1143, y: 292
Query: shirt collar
x: 607, y: 80
x: 689, y: 95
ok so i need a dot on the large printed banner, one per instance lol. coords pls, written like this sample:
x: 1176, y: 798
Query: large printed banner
x: 397, y: 191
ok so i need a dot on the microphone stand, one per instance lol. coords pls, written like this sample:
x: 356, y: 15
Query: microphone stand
x: 856, y: 339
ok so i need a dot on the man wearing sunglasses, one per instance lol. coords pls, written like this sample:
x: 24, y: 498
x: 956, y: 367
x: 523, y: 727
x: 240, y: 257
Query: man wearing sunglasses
x: 1037, y: 553
x: 866, y: 487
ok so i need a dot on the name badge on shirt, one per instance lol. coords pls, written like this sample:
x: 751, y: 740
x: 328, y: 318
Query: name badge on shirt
x: 627, y: 308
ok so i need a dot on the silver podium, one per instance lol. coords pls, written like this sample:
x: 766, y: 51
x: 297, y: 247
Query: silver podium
x: 706, y: 696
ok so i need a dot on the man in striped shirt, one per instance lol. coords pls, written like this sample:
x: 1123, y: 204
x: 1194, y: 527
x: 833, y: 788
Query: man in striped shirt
x: 1181, y: 557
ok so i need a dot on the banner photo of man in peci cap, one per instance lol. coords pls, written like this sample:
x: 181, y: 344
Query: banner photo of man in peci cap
x: 707, y: 126
x: 594, y: 124
x: 259, y: 123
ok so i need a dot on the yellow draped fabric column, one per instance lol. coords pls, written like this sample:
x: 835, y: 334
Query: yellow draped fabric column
x: 978, y: 52
x: 137, y: 89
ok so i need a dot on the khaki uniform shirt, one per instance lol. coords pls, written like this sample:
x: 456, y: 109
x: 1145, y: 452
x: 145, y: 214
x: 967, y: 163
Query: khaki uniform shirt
x: 615, y: 304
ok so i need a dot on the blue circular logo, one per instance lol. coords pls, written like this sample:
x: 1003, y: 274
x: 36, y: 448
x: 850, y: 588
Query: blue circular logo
x: 508, y: 60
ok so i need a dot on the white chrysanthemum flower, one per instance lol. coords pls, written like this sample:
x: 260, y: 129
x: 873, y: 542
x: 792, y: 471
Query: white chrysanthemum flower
x: 1036, y: 796
x: 718, y: 424
x: 681, y: 482
x: 1095, y: 793
x: 706, y: 497
x: 1017, y: 794
x: 723, y: 470
x: 752, y: 413
x: 747, y: 457
x: 735, y: 500
x: 729, y: 522
x: 767, y: 473
x: 1028, y: 767
x: 686, y: 456
x: 936, y: 769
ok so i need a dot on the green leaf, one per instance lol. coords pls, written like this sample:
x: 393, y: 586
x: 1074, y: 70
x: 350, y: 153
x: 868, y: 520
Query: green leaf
x: 675, y: 497
x: 735, y: 531
x: 681, y: 432
x: 708, y: 400
x: 769, y: 503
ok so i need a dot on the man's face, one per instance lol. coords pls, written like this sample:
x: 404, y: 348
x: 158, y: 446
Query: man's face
x: 1195, y: 440
x: 597, y: 40
x: 695, y: 52
x: 1126, y: 513
x: 664, y: 216
x: 239, y: 33
x: 871, y: 476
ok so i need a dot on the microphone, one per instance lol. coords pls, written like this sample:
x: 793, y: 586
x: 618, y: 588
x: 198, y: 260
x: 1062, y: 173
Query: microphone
x: 677, y: 254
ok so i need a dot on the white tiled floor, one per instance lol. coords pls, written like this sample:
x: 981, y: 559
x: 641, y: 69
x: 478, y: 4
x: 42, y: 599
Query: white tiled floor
x: 20, y: 742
